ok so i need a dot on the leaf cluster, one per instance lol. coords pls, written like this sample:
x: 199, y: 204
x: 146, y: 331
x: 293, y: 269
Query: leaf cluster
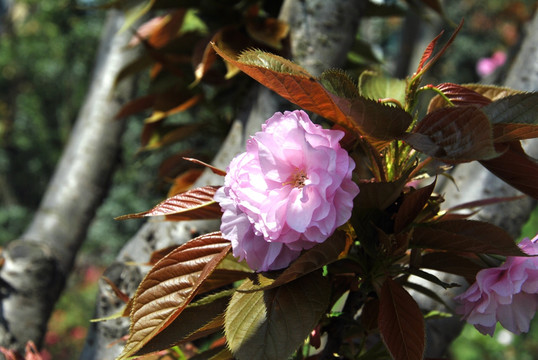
x: 355, y: 284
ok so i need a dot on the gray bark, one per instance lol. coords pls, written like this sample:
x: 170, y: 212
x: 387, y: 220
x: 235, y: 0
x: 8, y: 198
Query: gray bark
x: 38, y: 263
x: 310, y: 26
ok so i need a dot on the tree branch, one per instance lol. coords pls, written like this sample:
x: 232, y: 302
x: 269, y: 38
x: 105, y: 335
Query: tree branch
x: 38, y: 263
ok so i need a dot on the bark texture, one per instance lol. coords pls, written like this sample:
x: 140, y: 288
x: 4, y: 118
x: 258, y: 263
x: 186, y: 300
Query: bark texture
x: 310, y: 24
x: 37, y: 264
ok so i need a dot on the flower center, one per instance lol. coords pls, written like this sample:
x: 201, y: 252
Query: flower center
x: 298, y: 179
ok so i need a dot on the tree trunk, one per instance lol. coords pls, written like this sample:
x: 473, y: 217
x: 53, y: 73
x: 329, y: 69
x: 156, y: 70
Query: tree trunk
x: 311, y: 22
x: 38, y: 263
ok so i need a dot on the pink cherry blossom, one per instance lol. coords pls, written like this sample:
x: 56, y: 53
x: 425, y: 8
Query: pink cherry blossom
x: 288, y: 192
x: 507, y: 294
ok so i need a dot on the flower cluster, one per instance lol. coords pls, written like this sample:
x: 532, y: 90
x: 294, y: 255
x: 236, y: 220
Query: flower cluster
x: 507, y: 294
x: 289, y: 191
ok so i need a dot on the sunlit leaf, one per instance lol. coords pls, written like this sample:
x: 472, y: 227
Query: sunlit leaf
x: 215, y: 170
x: 492, y: 92
x: 272, y: 324
x: 401, y: 322
x: 459, y: 95
x: 171, y: 103
x: 514, y: 117
x: 339, y: 83
x: 295, y: 84
x: 454, y: 135
x: 170, y: 286
x: 516, y: 168
x: 375, y: 86
x: 193, y: 204
x: 465, y: 236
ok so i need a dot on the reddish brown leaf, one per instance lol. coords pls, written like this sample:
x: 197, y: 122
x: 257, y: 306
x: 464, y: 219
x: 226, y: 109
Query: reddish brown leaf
x: 172, y: 103
x: 412, y: 205
x: 193, y: 204
x: 170, y: 286
x: 268, y: 31
x: 511, y: 132
x: 168, y: 29
x: 451, y: 263
x: 492, y: 92
x: 215, y: 170
x: 465, y: 236
x: 454, y: 135
x: 295, y: 84
x: 136, y: 106
x: 120, y: 294
x: 401, y: 322
x: 424, y: 64
x: 184, y: 182
x: 516, y: 168
x: 459, y: 95
x: 161, y: 135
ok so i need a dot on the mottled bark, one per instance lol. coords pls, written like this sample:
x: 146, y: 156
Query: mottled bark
x: 37, y: 264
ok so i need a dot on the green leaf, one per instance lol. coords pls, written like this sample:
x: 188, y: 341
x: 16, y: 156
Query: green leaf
x: 465, y: 236
x: 339, y: 83
x: 272, y: 324
x: 400, y: 322
x: 374, y: 86
x: 454, y: 135
x: 170, y: 286
x: 193, y: 204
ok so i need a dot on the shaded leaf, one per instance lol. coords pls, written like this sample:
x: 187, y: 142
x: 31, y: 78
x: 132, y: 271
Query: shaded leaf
x: 412, y: 205
x: 155, y: 135
x: 267, y: 31
x: 133, y: 13
x: 451, y: 263
x: 459, y: 95
x: 515, y: 168
x: 454, y: 135
x: 193, y: 204
x: 311, y: 260
x: 168, y: 29
x: 170, y: 286
x: 172, y: 103
x: 199, y: 319
x: 136, y: 106
x: 272, y: 324
x: 465, y: 236
x: 375, y: 86
x: 400, y: 322
x: 426, y: 291
x: 378, y: 195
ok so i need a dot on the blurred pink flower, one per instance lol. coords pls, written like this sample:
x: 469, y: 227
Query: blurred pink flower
x: 486, y: 66
x: 289, y: 191
x: 507, y: 294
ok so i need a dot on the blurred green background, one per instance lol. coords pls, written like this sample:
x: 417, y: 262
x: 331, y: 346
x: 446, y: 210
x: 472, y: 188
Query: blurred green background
x: 47, y: 51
